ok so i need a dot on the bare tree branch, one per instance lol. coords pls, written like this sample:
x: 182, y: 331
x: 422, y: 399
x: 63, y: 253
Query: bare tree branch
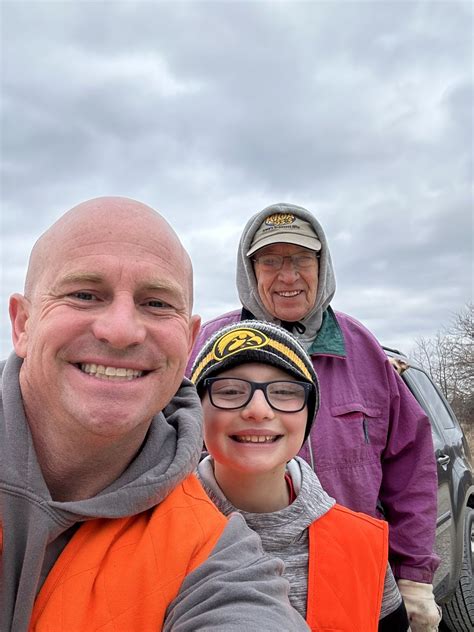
x: 449, y: 360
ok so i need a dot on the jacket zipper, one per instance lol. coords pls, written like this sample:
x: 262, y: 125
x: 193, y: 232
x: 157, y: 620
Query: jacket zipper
x: 366, y: 430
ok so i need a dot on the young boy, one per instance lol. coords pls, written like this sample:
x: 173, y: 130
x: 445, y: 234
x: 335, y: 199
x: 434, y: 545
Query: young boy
x: 259, y: 394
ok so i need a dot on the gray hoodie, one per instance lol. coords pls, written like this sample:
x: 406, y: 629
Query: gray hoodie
x: 36, y: 528
x: 247, y: 283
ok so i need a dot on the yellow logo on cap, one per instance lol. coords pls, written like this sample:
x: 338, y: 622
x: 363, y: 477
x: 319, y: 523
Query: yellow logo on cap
x: 238, y: 340
x: 280, y: 219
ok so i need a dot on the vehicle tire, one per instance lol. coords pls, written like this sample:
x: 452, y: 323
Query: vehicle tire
x: 458, y: 613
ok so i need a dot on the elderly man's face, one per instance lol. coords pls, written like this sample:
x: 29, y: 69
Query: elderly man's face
x: 107, y: 330
x: 289, y: 293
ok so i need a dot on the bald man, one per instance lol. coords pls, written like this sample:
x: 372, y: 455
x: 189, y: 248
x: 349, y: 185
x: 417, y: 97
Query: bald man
x: 104, y: 524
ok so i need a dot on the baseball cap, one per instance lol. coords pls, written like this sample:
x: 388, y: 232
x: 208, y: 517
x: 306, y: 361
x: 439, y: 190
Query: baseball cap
x: 284, y: 228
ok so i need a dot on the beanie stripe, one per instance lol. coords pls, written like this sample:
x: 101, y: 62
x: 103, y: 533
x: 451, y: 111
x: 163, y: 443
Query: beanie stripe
x: 291, y: 355
x: 201, y: 366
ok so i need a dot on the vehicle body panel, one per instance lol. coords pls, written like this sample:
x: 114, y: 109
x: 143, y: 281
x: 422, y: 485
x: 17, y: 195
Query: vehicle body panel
x: 455, y: 475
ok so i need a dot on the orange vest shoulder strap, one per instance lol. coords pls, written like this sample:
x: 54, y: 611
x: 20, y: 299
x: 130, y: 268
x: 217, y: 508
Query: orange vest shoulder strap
x: 348, y: 554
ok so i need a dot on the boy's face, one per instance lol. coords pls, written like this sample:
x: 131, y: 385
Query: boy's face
x: 255, y: 438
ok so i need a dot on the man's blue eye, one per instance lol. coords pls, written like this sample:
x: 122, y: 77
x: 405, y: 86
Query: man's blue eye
x: 157, y: 303
x: 84, y: 296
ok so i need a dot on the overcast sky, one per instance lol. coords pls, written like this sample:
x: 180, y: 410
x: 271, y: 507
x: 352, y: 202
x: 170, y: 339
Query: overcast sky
x: 209, y: 111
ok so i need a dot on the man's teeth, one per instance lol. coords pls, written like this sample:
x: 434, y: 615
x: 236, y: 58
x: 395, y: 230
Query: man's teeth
x: 110, y: 372
x: 290, y: 294
x: 255, y: 438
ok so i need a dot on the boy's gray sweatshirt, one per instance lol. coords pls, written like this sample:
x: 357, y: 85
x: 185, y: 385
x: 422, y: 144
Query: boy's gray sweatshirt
x: 238, y: 581
x: 284, y: 533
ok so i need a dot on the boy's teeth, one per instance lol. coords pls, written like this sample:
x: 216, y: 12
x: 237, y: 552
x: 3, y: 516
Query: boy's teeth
x: 110, y: 372
x: 255, y: 438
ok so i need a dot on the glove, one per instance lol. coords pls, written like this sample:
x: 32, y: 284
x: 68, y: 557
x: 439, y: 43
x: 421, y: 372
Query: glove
x: 424, y: 614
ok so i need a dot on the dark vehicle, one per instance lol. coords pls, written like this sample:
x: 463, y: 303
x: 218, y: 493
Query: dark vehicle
x: 453, y: 582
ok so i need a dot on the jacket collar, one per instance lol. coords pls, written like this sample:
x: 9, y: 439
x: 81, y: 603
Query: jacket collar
x: 329, y: 340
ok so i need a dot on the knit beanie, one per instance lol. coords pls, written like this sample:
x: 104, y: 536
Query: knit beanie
x: 256, y: 341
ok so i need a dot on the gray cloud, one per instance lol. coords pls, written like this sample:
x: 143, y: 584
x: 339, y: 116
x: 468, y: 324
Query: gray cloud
x: 209, y: 111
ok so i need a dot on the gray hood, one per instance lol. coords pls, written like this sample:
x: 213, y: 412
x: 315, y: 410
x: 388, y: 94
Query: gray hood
x: 33, y: 522
x: 247, y: 283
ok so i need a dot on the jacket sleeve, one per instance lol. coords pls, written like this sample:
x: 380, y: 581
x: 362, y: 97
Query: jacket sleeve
x: 409, y: 486
x: 239, y: 587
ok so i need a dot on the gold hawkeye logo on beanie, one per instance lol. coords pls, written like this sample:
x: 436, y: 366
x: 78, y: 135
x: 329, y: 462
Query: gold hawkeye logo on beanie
x: 238, y: 340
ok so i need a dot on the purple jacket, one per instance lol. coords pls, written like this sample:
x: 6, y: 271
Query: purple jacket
x: 371, y: 445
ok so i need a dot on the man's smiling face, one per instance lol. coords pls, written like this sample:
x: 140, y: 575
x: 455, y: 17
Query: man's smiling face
x: 105, y: 330
x: 289, y: 293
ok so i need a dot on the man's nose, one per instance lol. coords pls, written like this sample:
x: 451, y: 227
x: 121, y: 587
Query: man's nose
x: 119, y: 324
x: 288, y: 271
x: 258, y: 408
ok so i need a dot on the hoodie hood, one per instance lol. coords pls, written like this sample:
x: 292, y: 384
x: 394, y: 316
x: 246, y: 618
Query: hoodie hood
x: 247, y: 282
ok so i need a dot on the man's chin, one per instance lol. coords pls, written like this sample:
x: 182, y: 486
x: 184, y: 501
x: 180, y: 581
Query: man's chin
x: 112, y: 420
x: 291, y: 316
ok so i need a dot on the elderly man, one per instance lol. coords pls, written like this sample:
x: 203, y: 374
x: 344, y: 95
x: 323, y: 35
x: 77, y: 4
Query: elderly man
x: 371, y: 446
x: 104, y: 524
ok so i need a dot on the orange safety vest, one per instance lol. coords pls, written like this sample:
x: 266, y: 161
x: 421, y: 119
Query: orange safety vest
x: 122, y: 574
x: 348, y: 555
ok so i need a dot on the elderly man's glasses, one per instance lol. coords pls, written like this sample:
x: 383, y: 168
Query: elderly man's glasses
x: 230, y: 393
x: 301, y: 261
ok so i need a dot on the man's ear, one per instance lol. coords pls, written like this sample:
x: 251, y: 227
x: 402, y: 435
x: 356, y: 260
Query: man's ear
x: 19, y: 308
x: 194, y: 327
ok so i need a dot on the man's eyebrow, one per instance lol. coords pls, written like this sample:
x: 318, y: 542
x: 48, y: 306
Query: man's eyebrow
x: 167, y: 287
x: 80, y: 277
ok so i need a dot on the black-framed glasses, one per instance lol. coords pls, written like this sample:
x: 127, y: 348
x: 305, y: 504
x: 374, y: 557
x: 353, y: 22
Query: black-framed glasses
x: 230, y: 393
x: 300, y: 261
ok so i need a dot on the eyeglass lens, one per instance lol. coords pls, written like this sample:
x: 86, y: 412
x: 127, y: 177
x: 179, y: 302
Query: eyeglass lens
x: 275, y: 262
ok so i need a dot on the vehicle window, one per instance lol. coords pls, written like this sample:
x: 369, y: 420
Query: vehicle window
x: 434, y: 404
